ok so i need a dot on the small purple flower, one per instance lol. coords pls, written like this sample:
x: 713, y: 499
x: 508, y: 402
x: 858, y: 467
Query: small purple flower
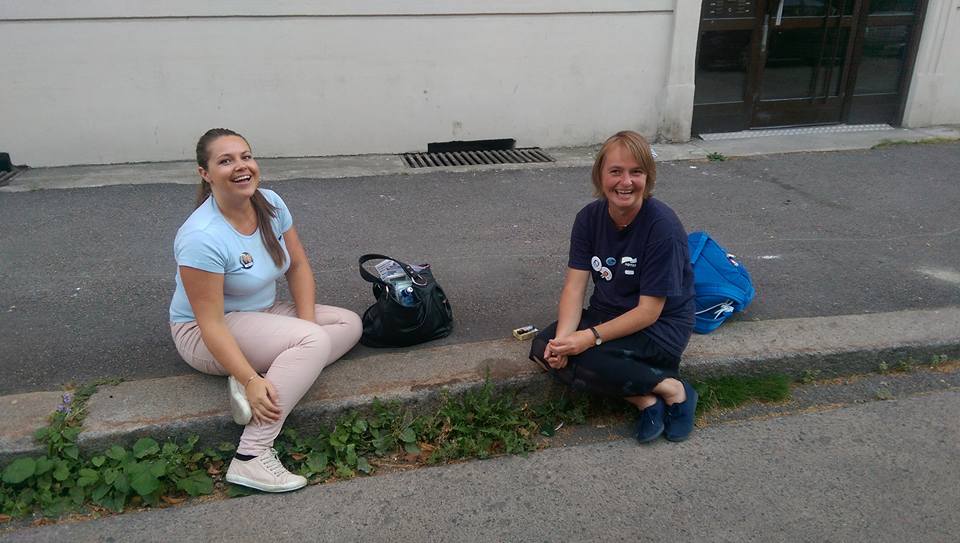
x: 67, y: 398
x: 63, y: 409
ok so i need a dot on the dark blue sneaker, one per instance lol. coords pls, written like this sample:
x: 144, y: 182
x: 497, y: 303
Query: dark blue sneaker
x: 650, y: 422
x: 679, y: 417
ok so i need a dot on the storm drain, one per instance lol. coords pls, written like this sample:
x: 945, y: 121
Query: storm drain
x: 7, y: 169
x: 476, y: 157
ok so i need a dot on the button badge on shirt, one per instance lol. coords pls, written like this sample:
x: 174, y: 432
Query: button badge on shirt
x: 595, y: 263
x: 246, y: 260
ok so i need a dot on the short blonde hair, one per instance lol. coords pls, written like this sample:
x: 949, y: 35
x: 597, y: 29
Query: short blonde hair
x: 638, y: 147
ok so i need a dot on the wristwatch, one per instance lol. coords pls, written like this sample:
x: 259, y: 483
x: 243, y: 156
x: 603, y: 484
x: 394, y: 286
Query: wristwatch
x: 598, y: 340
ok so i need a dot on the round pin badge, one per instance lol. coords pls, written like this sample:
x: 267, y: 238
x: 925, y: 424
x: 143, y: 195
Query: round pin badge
x: 246, y: 260
x: 595, y: 263
x: 611, y: 261
x: 606, y: 273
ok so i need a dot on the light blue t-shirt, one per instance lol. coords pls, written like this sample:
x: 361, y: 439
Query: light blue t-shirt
x: 208, y: 242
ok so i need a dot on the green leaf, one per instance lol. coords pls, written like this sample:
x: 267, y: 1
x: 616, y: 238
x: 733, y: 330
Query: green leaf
x: 43, y: 483
x: 70, y: 433
x: 98, y: 461
x: 110, y: 475
x: 71, y: 451
x: 122, y: 484
x: 87, y: 477
x: 364, y: 466
x: 317, y: 461
x: 237, y: 491
x: 144, y: 447
x: 411, y: 448
x: 99, y: 492
x: 62, y: 471
x: 57, y: 507
x: 19, y: 470
x: 77, y: 495
x: 159, y: 468
x: 169, y: 448
x: 115, y: 502
x: 408, y: 435
x: 117, y: 453
x: 196, y: 484
x: 351, y: 455
x: 360, y: 426
x: 44, y: 465
x: 144, y: 483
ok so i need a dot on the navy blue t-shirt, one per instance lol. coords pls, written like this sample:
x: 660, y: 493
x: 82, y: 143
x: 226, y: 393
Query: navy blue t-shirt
x: 649, y: 257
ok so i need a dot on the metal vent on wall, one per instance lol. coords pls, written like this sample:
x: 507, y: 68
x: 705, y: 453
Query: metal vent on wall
x: 476, y: 157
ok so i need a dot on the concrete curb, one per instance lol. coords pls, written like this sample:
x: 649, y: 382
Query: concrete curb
x: 338, y: 167
x: 176, y: 407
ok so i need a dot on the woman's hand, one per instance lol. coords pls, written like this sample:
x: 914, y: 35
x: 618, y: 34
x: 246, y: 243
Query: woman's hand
x: 571, y: 345
x: 263, y: 400
x: 555, y: 360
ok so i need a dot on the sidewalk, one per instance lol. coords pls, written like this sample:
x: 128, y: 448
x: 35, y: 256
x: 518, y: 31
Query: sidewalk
x: 175, y: 406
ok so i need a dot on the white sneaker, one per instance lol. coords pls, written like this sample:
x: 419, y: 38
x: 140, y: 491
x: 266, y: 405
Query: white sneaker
x: 239, y: 406
x: 265, y: 473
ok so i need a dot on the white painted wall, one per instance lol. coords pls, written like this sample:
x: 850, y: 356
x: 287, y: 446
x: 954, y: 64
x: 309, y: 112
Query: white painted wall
x: 934, y: 96
x: 106, y: 81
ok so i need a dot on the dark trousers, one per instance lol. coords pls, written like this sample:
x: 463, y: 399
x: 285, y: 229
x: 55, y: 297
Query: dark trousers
x: 629, y: 366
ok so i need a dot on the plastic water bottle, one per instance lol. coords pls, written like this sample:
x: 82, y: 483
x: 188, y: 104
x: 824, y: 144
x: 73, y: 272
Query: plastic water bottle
x: 406, y: 297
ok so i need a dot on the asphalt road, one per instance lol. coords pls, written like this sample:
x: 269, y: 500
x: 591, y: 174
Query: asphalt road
x: 88, y: 273
x: 881, y: 471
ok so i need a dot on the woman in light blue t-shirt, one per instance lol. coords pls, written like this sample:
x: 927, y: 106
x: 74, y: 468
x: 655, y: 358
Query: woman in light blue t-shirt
x: 225, y: 318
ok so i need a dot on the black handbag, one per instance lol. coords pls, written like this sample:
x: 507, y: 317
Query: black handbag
x: 427, y: 314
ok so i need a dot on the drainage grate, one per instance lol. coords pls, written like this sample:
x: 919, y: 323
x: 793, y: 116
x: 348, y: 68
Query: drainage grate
x: 476, y: 158
x: 5, y: 177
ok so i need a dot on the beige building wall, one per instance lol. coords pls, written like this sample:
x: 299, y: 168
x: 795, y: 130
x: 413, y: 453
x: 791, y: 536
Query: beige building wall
x: 934, y: 96
x: 108, y: 81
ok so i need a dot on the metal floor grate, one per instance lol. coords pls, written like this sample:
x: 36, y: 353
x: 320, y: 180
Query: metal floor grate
x: 476, y: 158
x: 832, y: 129
x: 6, y: 176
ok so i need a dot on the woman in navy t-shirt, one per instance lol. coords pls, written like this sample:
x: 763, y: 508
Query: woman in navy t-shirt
x: 628, y: 342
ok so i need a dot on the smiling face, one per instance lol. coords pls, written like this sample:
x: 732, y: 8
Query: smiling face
x: 623, y: 181
x: 231, y: 170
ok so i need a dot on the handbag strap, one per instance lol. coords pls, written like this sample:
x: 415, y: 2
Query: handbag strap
x: 417, y: 279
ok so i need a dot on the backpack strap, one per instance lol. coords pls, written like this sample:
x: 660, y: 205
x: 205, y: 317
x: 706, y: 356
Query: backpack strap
x: 736, y: 295
x: 697, y: 241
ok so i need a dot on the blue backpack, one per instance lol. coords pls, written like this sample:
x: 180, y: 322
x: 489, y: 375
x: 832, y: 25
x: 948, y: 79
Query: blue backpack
x: 723, y: 286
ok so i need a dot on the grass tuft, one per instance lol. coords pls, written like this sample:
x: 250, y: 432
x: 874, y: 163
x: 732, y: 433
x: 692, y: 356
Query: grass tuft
x: 890, y: 143
x: 730, y: 392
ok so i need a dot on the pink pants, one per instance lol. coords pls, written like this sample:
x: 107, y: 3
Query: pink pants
x: 290, y: 352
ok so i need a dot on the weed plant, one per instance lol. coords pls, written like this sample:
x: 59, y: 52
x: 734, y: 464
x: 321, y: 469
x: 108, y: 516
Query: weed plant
x: 716, y: 157
x: 480, y: 424
x: 730, y: 392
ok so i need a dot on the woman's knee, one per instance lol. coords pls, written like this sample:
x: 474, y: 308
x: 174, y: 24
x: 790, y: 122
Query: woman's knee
x: 353, y: 325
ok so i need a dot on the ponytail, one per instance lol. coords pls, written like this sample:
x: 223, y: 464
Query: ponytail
x: 266, y: 211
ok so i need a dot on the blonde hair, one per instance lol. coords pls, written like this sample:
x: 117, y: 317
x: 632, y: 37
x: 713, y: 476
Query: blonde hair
x: 638, y: 147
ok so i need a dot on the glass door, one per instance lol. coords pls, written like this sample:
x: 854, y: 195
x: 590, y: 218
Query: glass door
x: 802, y: 65
x: 765, y: 63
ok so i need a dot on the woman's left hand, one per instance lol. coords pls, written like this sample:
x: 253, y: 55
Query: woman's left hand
x: 573, y: 344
